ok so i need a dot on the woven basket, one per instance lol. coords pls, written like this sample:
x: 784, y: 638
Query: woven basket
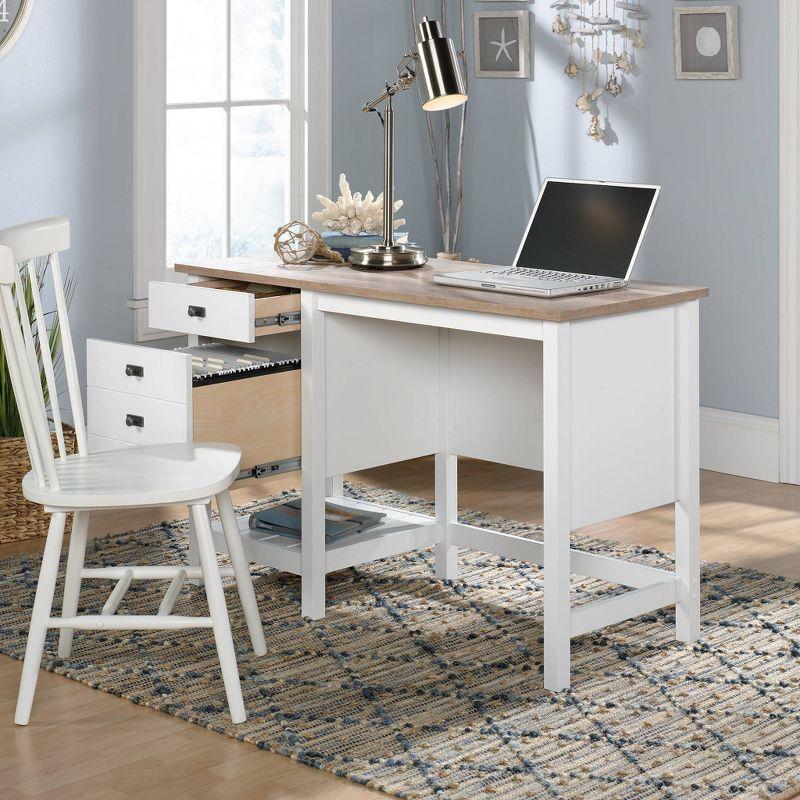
x: 20, y: 519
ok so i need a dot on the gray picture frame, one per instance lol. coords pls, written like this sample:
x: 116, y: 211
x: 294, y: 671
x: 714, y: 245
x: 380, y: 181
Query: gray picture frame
x: 722, y: 65
x: 483, y: 65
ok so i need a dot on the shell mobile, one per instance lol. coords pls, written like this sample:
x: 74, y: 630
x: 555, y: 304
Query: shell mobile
x: 602, y: 37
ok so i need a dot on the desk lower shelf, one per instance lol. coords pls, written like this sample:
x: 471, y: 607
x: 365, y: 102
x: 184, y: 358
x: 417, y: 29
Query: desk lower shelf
x: 400, y: 532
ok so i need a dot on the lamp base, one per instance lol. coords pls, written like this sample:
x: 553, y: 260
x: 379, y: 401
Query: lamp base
x: 381, y: 257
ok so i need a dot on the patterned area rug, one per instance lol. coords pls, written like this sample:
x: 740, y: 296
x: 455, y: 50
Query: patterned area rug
x: 428, y: 690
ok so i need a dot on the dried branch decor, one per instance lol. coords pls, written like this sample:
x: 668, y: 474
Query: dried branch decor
x: 449, y: 197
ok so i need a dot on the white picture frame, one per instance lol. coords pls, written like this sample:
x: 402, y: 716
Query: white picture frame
x: 11, y: 36
x: 516, y: 48
x: 719, y: 37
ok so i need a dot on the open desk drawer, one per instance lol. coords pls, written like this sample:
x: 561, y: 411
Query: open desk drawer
x: 142, y: 395
x: 221, y: 309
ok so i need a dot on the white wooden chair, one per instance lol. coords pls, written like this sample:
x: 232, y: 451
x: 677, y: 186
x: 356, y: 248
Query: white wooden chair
x: 131, y: 477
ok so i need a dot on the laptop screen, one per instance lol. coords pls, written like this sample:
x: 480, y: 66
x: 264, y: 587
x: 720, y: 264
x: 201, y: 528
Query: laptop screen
x: 587, y: 228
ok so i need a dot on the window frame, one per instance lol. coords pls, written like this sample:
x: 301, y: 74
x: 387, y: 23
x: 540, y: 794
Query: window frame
x: 309, y: 105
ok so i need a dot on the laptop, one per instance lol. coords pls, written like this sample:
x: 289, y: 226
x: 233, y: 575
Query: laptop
x: 583, y: 236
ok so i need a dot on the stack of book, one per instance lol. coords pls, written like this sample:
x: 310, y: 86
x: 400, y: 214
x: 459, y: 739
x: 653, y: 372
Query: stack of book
x: 285, y: 520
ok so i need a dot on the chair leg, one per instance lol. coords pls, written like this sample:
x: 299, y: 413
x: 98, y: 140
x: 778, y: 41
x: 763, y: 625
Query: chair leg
x: 42, y: 606
x: 72, y: 582
x: 193, y: 556
x: 219, y: 613
x: 241, y: 569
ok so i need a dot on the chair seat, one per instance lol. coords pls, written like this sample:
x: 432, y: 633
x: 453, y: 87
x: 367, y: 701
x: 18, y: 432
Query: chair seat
x: 139, y: 476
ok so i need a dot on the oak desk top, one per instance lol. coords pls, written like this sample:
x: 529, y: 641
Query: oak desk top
x: 416, y: 286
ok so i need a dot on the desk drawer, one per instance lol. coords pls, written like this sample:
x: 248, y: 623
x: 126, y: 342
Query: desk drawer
x: 210, y: 309
x: 139, y: 420
x: 100, y: 444
x: 261, y: 415
x: 143, y: 371
x: 257, y: 409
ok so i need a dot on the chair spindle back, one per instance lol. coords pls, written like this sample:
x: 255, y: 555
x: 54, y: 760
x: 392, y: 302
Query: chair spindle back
x: 27, y: 340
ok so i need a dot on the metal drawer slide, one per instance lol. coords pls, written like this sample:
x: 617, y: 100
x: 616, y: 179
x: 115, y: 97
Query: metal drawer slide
x: 292, y: 318
x: 270, y: 468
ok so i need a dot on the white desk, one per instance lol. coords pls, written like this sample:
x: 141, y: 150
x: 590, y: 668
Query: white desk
x: 598, y: 391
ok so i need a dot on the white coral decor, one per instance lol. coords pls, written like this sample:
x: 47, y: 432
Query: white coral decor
x: 353, y: 214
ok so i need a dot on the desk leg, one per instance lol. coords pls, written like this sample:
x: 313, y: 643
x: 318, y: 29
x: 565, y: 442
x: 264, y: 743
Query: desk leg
x: 687, y: 472
x: 446, y: 512
x: 557, y: 504
x: 446, y: 473
x: 312, y: 347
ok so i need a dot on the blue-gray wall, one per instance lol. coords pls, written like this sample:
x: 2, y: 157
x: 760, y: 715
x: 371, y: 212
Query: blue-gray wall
x: 713, y: 145
x: 66, y: 147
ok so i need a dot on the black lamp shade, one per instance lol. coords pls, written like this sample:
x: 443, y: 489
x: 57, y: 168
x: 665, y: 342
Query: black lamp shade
x: 440, y: 83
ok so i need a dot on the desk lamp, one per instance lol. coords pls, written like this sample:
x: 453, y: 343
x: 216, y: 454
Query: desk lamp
x: 441, y: 87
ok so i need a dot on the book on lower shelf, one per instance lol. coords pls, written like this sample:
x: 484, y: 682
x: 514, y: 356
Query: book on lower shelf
x: 286, y: 520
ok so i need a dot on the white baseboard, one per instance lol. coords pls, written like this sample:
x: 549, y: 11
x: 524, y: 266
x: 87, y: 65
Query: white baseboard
x: 739, y: 444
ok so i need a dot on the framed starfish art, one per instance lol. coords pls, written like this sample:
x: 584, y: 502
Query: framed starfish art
x: 502, y: 44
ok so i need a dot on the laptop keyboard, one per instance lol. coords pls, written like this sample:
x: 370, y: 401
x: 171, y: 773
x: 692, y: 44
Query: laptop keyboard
x: 539, y: 274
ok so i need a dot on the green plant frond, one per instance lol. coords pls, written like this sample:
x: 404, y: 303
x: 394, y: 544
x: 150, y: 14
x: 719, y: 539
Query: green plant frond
x: 10, y: 423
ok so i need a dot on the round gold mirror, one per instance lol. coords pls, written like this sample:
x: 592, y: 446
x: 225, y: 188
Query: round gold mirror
x: 14, y: 15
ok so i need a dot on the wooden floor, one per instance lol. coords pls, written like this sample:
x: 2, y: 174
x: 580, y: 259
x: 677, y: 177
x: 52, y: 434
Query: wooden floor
x: 86, y: 744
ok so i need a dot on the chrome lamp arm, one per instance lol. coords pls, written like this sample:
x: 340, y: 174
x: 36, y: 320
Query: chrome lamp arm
x: 406, y: 75
x: 441, y: 87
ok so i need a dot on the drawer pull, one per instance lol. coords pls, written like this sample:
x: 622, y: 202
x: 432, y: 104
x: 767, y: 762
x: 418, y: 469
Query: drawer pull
x: 134, y: 371
x: 134, y: 421
x: 197, y: 311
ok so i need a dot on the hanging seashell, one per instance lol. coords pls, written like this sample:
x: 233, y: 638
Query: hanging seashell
x: 584, y: 102
x: 571, y: 70
x: 613, y: 86
x: 595, y: 131
x: 623, y: 63
x: 560, y: 27
x: 607, y: 34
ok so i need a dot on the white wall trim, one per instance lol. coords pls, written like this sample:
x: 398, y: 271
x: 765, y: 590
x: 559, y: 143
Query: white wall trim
x: 319, y: 101
x: 739, y: 444
x: 789, y: 222
x: 150, y: 202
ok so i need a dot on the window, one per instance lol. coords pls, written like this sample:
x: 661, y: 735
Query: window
x: 232, y: 137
